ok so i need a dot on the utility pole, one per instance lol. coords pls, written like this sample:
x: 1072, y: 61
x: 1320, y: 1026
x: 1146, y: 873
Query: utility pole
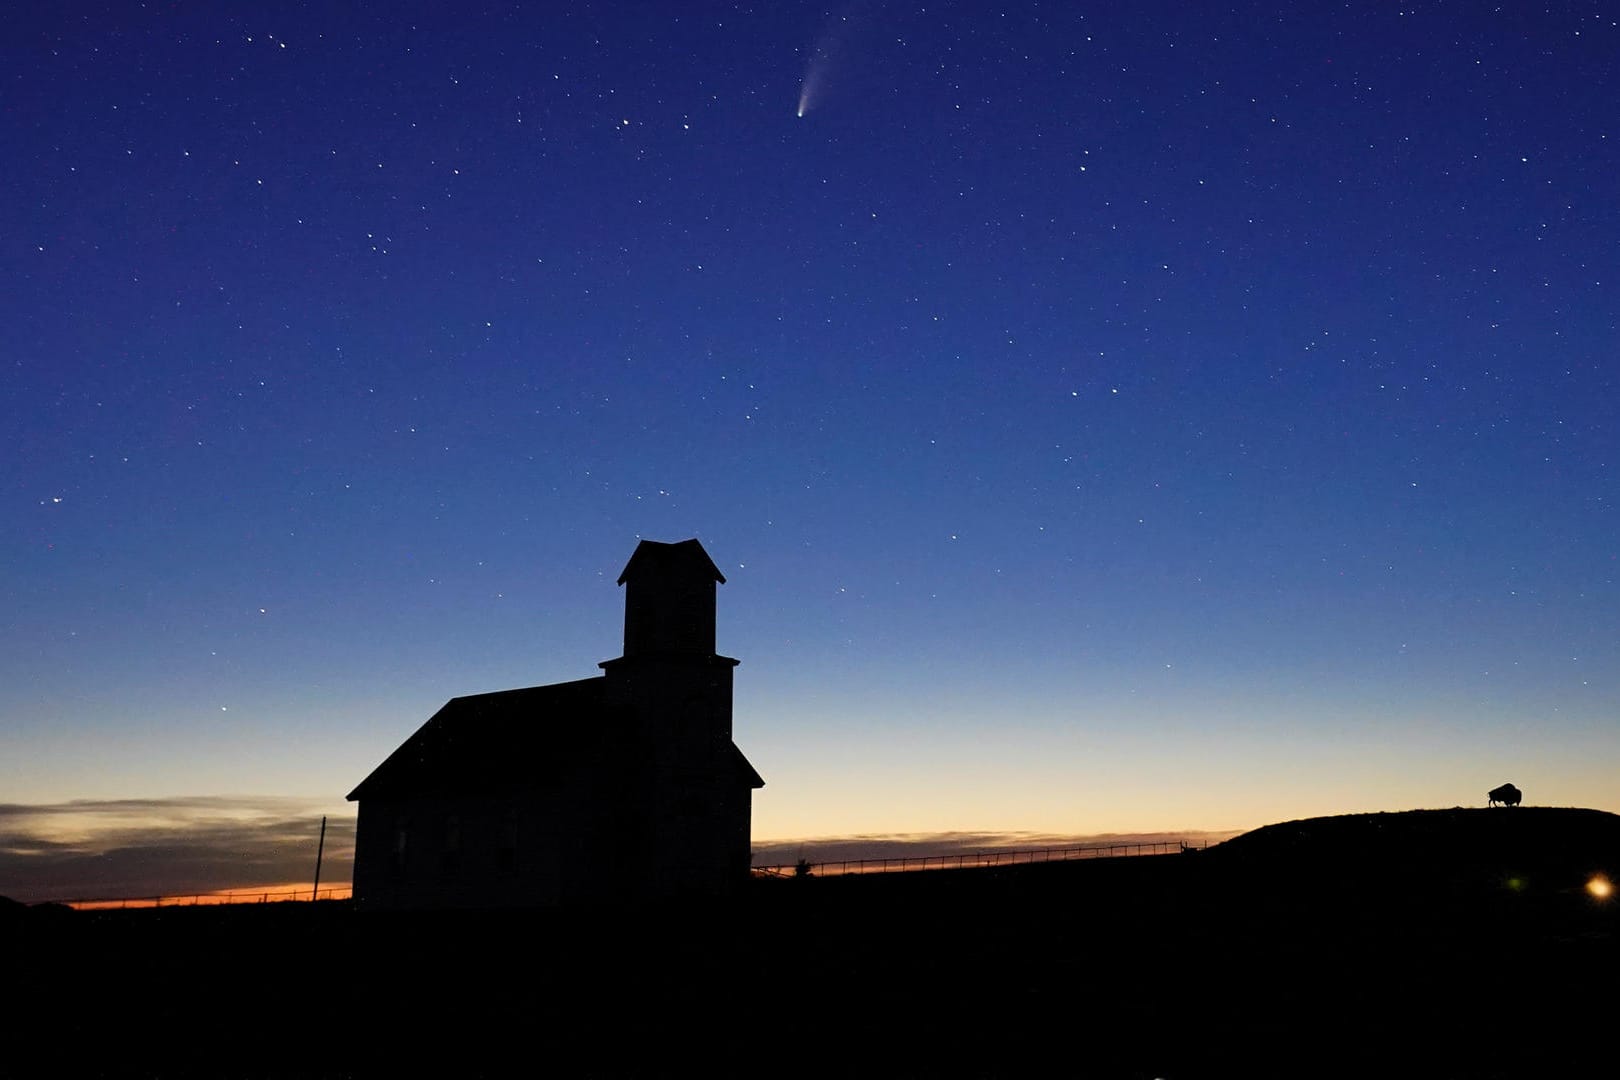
x: 315, y: 893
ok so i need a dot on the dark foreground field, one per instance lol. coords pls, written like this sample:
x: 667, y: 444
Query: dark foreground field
x: 1432, y: 943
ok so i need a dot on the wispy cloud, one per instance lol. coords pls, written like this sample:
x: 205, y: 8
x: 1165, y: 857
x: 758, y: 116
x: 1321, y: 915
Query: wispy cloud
x: 88, y: 849
x: 826, y: 849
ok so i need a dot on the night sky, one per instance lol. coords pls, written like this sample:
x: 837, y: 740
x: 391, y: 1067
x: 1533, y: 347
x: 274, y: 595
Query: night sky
x: 1107, y: 417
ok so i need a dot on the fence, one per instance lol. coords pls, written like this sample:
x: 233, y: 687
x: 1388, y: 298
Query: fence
x: 827, y: 868
x: 963, y: 860
x: 233, y: 896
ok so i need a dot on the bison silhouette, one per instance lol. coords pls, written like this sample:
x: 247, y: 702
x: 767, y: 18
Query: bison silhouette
x: 1507, y: 795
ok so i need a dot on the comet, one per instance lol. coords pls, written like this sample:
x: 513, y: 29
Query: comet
x: 828, y: 53
x: 810, y: 84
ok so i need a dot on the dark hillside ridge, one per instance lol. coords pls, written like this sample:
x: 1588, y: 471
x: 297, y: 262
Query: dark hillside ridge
x: 1366, y: 945
x: 1567, y: 842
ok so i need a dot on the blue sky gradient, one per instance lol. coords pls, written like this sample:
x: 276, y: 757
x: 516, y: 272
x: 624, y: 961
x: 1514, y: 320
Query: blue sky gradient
x: 1107, y: 420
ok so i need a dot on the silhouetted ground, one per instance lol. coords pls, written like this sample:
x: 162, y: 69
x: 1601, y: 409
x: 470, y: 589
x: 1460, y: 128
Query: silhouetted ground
x: 1433, y: 943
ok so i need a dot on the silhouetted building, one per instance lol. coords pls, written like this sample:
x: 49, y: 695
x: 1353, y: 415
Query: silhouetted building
x: 626, y: 786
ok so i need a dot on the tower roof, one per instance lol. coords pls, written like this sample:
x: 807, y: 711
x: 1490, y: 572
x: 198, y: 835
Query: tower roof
x: 686, y: 558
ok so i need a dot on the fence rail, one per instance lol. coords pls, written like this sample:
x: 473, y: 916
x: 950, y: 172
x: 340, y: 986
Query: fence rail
x: 233, y: 896
x: 825, y: 868
x: 963, y: 860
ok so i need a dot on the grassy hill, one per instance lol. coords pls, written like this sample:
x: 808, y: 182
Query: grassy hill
x: 1555, y: 839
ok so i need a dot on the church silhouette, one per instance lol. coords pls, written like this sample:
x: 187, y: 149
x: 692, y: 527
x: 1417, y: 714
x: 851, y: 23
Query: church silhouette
x: 625, y: 787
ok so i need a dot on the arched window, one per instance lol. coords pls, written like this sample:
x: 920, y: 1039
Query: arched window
x: 402, y: 840
x: 506, y: 841
x: 452, y: 843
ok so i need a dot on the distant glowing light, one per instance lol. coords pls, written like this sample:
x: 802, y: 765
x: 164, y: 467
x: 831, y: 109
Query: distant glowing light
x: 1600, y: 887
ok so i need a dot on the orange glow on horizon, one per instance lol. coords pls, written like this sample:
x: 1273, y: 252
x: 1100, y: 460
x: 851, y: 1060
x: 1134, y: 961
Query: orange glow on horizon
x: 258, y: 894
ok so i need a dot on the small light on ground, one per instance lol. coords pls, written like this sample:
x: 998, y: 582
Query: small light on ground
x: 1600, y: 887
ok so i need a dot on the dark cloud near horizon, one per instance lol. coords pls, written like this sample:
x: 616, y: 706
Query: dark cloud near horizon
x: 130, y: 848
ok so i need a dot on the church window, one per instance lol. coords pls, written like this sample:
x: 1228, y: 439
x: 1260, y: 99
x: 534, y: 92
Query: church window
x: 402, y: 839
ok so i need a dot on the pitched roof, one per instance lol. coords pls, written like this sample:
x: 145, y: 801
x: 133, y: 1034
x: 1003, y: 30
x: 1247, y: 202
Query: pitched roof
x: 509, y: 738
x: 746, y: 769
x: 685, y: 558
x: 513, y: 739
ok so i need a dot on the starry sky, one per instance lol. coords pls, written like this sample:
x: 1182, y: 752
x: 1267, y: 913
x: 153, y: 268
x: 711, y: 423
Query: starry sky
x: 1108, y: 417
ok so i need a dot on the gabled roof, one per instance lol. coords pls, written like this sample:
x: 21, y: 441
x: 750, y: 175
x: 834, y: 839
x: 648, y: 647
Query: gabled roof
x: 686, y: 558
x: 518, y: 739
x: 510, y: 738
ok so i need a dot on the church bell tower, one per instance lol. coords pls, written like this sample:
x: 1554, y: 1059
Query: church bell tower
x: 675, y: 692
